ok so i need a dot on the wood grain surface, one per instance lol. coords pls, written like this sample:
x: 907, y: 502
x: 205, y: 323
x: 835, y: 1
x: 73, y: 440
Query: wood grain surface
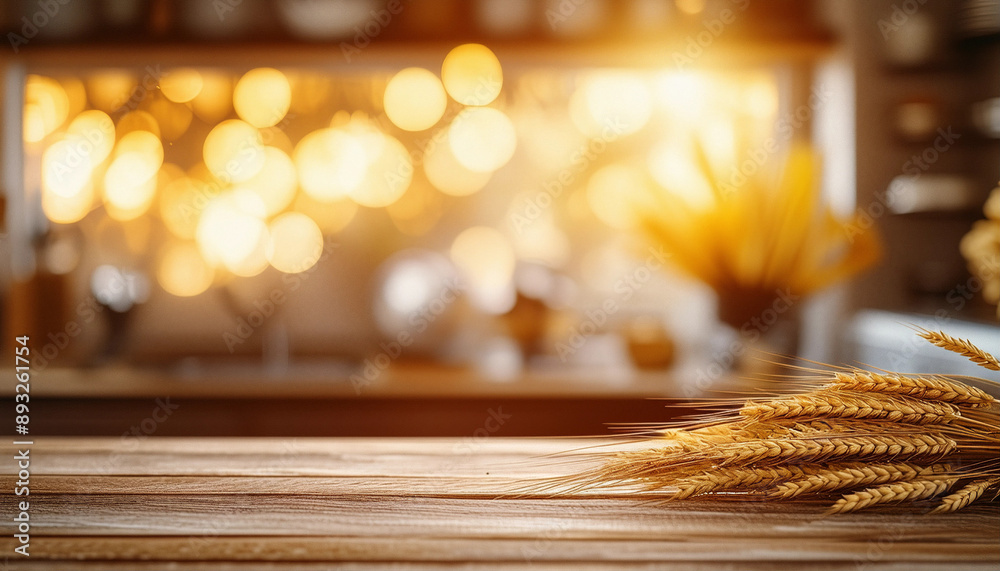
x: 202, y: 503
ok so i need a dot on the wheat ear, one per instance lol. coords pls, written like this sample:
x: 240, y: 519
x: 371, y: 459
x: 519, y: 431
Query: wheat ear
x: 831, y: 448
x: 850, y: 404
x: 965, y: 496
x: 931, y: 388
x: 896, y: 492
x: 962, y: 347
x: 838, y: 477
x: 721, y: 479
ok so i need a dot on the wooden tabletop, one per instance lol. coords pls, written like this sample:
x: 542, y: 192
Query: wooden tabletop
x: 375, y: 503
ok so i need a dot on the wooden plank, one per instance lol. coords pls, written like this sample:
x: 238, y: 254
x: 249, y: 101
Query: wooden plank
x: 376, y: 501
x: 531, y: 550
x: 401, y: 515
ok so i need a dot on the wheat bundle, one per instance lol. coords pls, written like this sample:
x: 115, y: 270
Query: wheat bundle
x: 872, y: 438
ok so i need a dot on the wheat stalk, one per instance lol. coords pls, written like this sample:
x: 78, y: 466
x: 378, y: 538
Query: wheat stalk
x: 962, y: 347
x: 965, y: 496
x: 731, y: 478
x: 880, y: 437
x: 930, y: 388
x: 910, y: 491
x: 850, y: 404
x: 838, y: 477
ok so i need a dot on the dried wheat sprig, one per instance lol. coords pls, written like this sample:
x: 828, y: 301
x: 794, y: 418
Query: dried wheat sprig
x: 909, y: 491
x: 965, y: 496
x: 820, y: 448
x: 963, y: 347
x: 849, y: 404
x: 839, y: 477
x: 722, y: 479
x: 930, y: 388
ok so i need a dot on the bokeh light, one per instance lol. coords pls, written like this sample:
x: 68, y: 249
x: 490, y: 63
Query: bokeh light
x: 142, y: 142
x: 66, y: 169
x: 215, y: 100
x: 137, y: 121
x: 417, y: 211
x: 233, y: 151
x: 92, y: 133
x: 330, y: 216
x: 172, y: 118
x: 182, y: 271
x: 276, y: 182
x: 487, y: 261
x: 612, y: 192
x: 387, y: 177
x: 67, y: 209
x: 482, y: 139
x: 180, y: 205
x: 330, y: 163
x: 110, y: 90
x: 181, y: 85
x: 414, y: 99
x: 674, y: 167
x: 611, y: 104
x: 295, y: 243
x: 447, y: 174
x: 262, y: 97
x: 232, y: 234
x: 472, y: 75
x: 46, y: 107
x: 130, y: 184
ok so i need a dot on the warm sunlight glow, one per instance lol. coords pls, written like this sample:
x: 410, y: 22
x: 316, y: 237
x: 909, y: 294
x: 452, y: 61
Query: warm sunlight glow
x: 232, y: 233
x: 130, y: 184
x: 414, y: 99
x: 262, y: 97
x: 472, y: 74
x: 610, y: 193
x: 276, y: 182
x: 46, y: 106
x: 387, y: 177
x: 215, y: 100
x: 330, y: 163
x: 295, y: 243
x: 234, y: 151
x: 611, y: 104
x: 182, y: 271
x: 487, y: 261
x: 92, y: 134
x: 181, y: 85
x: 482, y: 139
x: 448, y: 175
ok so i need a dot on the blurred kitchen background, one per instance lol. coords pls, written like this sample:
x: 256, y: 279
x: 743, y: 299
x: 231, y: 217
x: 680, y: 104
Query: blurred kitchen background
x: 305, y: 217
